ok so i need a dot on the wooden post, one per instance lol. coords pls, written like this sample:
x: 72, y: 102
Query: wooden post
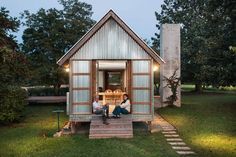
x: 129, y: 81
x: 73, y: 127
x: 149, y: 126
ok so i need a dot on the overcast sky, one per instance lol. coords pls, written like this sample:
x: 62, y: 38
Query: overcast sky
x: 138, y: 14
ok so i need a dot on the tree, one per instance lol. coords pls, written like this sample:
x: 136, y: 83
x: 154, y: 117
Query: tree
x: 205, y: 46
x: 13, y: 64
x: 221, y: 37
x: 7, y: 24
x: 49, y: 34
x: 13, y: 70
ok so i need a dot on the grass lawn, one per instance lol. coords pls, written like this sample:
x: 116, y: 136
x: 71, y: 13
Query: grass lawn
x: 206, y: 122
x: 33, y: 137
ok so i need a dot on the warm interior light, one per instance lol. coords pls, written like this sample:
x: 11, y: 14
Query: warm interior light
x: 155, y: 68
x: 67, y: 69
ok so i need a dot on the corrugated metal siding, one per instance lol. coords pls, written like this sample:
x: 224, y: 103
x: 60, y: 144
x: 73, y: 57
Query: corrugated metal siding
x: 111, y: 42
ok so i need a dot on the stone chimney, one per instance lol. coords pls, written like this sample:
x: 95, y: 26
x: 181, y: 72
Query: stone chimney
x: 170, y: 52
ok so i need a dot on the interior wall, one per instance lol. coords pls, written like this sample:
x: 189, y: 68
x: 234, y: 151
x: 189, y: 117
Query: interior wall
x: 101, y: 79
x: 109, y: 65
x: 125, y: 79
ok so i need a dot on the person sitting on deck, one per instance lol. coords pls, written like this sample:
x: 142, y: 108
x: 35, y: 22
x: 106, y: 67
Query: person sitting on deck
x: 101, y: 109
x: 123, y: 108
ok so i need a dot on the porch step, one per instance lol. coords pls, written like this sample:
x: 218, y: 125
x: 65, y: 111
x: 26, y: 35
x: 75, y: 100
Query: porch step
x: 122, y: 131
x: 113, y: 121
x: 111, y: 125
x: 123, y: 118
x: 100, y: 136
x: 117, y: 128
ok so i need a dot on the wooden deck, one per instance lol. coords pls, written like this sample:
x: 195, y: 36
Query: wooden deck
x: 46, y: 99
x: 119, y: 128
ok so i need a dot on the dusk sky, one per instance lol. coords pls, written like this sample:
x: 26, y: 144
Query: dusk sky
x: 139, y: 14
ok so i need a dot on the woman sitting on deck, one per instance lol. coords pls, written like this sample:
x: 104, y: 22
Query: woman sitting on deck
x: 123, y: 108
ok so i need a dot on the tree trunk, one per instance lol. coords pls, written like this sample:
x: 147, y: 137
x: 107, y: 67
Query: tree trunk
x: 198, y: 87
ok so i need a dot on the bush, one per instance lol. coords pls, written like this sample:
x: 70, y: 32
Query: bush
x: 46, y: 91
x: 12, y: 104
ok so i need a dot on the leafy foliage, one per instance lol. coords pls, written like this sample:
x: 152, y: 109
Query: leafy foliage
x: 13, y: 67
x: 13, y: 70
x: 46, y: 91
x: 13, y: 64
x: 49, y: 34
x: 7, y: 24
x: 208, y: 30
x: 12, y: 103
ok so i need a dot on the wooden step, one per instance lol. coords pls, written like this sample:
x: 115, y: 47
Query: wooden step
x: 112, y: 122
x: 111, y: 125
x: 117, y: 128
x: 112, y: 128
x: 111, y: 118
x: 110, y: 131
x: 99, y: 136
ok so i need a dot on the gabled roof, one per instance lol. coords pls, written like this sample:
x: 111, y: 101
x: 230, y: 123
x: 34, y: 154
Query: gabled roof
x: 97, y: 26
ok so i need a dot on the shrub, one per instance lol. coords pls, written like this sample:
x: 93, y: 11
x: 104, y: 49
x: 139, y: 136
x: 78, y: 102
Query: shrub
x: 46, y: 91
x: 12, y: 104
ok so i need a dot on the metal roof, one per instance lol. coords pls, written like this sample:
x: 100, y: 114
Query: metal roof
x: 97, y: 26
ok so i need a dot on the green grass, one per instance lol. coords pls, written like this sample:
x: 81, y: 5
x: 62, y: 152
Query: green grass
x: 207, y: 122
x: 33, y: 137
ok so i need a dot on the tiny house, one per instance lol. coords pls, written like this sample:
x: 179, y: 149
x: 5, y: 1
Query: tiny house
x: 110, y: 56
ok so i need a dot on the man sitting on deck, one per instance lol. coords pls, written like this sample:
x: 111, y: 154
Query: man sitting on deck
x: 100, y: 109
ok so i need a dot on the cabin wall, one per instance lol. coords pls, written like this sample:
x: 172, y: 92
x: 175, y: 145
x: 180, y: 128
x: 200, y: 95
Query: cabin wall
x: 111, y: 42
x: 141, y: 90
x: 108, y: 43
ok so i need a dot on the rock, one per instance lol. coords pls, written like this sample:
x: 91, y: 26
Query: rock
x: 58, y: 134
